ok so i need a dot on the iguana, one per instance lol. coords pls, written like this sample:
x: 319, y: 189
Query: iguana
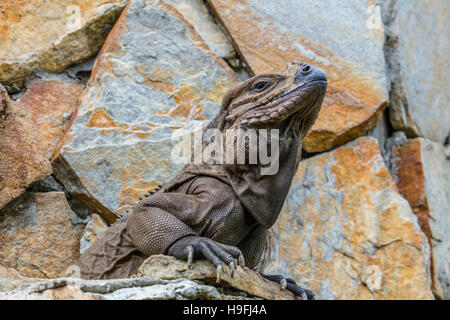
x: 221, y: 213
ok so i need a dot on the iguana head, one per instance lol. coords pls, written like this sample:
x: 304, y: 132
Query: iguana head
x: 273, y: 100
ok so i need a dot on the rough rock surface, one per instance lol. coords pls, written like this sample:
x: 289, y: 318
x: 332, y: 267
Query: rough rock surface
x: 11, y: 279
x: 37, y: 237
x: 345, y: 38
x: 422, y: 174
x: 346, y: 230
x: 50, y: 105
x: 196, y: 13
x: 418, y: 60
x: 94, y: 230
x: 51, y: 35
x: 346, y: 233
x: 153, y: 76
x: 22, y: 160
x: 244, y: 279
x: 118, y: 289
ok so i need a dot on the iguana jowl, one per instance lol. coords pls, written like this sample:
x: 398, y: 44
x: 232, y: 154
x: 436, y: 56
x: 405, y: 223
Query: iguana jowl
x: 220, y: 212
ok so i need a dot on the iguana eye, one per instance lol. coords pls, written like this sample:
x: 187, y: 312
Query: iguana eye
x: 261, y: 85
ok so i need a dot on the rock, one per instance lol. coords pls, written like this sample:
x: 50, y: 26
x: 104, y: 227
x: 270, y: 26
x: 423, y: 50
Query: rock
x: 117, y: 289
x: 37, y: 237
x: 47, y: 184
x: 196, y: 13
x: 346, y: 233
x: 180, y: 289
x: 51, y: 105
x: 244, y: 279
x: 344, y: 38
x: 417, y: 58
x: 22, y: 160
x: 381, y: 132
x: 75, y: 74
x: 154, y: 76
x: 94, y: 230
x: 51, y: 35
x: 422, y: 174
x: 11, y: 279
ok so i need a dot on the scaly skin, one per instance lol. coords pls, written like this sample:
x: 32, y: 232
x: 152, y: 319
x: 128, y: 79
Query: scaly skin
x: 221, y: 212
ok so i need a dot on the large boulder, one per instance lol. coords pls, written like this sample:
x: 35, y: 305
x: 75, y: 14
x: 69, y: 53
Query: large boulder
x: 37, y: 235
x: 422, y: 173
x: 418, y: 63
x: 50, y: 105
x: 159, y: 278
x: 242, y: 278
x: 346, y: 232
x: 23, y: 160
x: 154, y: 76
x: 345, y: 38
x: 51, y: 35
x: 117, y: 289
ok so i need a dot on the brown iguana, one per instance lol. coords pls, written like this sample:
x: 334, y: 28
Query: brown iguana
x: 220, y: 212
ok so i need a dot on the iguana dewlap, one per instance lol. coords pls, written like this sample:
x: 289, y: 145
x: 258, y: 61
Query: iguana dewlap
x: 220, y: 212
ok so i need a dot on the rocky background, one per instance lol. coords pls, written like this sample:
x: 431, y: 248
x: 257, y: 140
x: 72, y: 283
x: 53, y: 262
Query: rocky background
x: 92, y: 91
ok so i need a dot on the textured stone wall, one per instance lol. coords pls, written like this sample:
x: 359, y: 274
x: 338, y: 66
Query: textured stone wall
x: 92, y: 90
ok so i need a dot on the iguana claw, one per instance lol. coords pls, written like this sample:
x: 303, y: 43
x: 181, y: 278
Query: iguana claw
x: 283, y: 283
x: 219, y: 273
x: 190, y: 250
x: 241, y: 261
x: 232, y: 267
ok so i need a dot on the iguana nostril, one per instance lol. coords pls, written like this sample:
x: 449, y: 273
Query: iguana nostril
x: 309, y: 73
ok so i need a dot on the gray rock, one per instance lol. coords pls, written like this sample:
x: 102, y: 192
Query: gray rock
x: 381, y: 132
x: 242, y: 278
x: 196, y: 13
x: 418, y: 62
x: 117, y: 289
x: 437, y: 188
x: 95, y: 228
x: 154, y: 76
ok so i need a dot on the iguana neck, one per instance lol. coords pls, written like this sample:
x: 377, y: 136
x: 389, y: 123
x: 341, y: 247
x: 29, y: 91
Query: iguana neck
x: 263, y: 195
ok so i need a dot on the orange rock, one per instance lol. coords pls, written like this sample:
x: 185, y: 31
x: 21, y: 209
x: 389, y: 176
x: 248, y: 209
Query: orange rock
x: 51, y: 35
x: 38, y: 238
x: 346, y: 233
x: 22, y: 159
x: 51, y: 105
x: 421, y: 172
x: 349, y: 47
x: 153, y: 77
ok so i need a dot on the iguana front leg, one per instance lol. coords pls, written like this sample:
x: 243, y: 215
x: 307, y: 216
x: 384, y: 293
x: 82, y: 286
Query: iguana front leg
x: 156, y: 227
